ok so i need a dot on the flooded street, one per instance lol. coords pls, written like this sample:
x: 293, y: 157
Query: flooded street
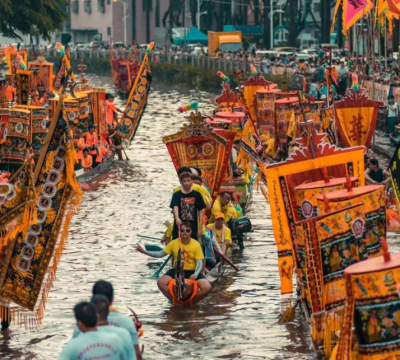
x: 238, y: 320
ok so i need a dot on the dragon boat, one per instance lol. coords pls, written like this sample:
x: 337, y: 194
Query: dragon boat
x: 124, y: 70
x: 36, y: 209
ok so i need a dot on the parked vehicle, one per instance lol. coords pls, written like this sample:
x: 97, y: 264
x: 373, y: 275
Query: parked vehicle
x: 225, y: 41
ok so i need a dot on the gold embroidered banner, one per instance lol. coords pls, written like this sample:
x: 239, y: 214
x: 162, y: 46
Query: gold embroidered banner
x: 136, y: 103
x: 198, y: 145
x: 33, y: 256
x: 356, y: 118
x: 283, y: 177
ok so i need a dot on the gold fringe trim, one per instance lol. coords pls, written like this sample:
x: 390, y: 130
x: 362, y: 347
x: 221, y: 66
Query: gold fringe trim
x: 32, y: 320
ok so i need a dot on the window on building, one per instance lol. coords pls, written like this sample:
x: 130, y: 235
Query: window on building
x: 317, y: 7
x: 101, y: 6
x: 75, y: 7
x: 109, y: 31
x: 149, y: 4
x: 87, y: 6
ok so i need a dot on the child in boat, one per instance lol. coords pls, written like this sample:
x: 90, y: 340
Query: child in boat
x: 87, y: 160
x: 192, y: 260
x: 80, y: 145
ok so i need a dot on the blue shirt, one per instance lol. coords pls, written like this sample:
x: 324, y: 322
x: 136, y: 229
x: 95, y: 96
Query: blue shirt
x: 94, y: 345
x: 124, y: 337
x: 119, y: 320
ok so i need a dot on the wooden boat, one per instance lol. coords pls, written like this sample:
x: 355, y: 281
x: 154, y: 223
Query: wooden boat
x: 219, y: 270
x: 124, y: 70
x: 185, y: 292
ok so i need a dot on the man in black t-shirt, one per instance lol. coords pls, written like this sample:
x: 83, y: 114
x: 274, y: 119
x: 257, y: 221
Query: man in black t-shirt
x: 187, y: 205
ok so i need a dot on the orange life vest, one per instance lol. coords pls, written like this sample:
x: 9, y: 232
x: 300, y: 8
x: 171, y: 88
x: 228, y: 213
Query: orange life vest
x: 86, y: 162
x: 91, y: 140
x: 103, y: 149
x: 174, y: 298
x: 80, y: 143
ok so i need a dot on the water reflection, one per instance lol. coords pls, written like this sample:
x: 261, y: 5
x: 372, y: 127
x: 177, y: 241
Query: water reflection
x: 239, y: 319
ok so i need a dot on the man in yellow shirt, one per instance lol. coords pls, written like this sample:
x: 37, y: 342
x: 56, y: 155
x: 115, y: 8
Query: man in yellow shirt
x: 192, y: 260
x: 223, y: 204
x: 221, y: 232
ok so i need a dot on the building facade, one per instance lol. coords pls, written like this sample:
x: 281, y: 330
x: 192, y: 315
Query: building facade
x: 101, y: 17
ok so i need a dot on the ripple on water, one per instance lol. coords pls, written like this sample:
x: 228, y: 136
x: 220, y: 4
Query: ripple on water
x: 239, y: 319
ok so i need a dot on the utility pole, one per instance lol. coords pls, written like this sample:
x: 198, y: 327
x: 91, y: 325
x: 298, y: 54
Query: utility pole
x: 133, y: 20
x: 267, y: 10
x: 256, y: 12
x: 340, y: 27
x: 325, y: 21
x: 171, y: 22
x: 148, y: 5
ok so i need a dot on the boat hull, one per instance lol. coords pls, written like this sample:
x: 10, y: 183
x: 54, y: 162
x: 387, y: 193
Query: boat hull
x: 83, y: 176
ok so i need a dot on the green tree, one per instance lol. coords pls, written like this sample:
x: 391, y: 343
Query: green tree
x: 31, y: 17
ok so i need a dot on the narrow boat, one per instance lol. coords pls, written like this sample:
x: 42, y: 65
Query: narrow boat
x: 219, y: 270
x: 84, y: 176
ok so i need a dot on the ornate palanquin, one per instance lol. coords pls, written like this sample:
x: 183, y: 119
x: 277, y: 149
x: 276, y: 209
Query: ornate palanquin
x: 286, y: 95
x: 198, y: 145
x: 228, y: 183
x: 100, y: 110
x: 125, y: 71
x: 370, y: 330
x: 77, y: 108
x: 237, y: 118
x: 312, y: 113
x: 266, y: 109
x: 32, y: 256
x: 328, y: 244
x: 18, y: 136
x: 136, y: 103
x: 228, y: 100
x: 307, y: 194
x: 373, y: 197
x: 355, y: 118
x: 3, y: 93
x: 284, y: 113
x: 24, y: 86
x: 305, y: 164
x: 37, y: 130
x: 42, y: 74
x: 85, y: 111
x: 12, y: 61
x: 251, y: 86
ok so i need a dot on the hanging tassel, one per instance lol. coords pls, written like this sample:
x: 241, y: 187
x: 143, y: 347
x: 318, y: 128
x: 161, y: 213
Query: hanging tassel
x: 70, y: 160
x: 328, y: 336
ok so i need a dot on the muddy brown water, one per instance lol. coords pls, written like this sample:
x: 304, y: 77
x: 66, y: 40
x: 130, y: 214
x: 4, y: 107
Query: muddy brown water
x: 238, y: 320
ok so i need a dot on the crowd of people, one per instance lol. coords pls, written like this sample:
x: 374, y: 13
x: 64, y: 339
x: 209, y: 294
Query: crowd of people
x: 200, y: 226
x: 101, y: 331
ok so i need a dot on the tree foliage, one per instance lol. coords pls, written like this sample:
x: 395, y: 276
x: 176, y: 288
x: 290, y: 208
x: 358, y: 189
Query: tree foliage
x: 31, y: 17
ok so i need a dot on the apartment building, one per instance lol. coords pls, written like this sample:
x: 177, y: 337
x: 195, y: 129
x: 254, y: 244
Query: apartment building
x: 105, y: 17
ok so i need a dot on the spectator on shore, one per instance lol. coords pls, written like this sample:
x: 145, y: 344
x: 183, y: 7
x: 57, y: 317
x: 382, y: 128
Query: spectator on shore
x: 393, y: 111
